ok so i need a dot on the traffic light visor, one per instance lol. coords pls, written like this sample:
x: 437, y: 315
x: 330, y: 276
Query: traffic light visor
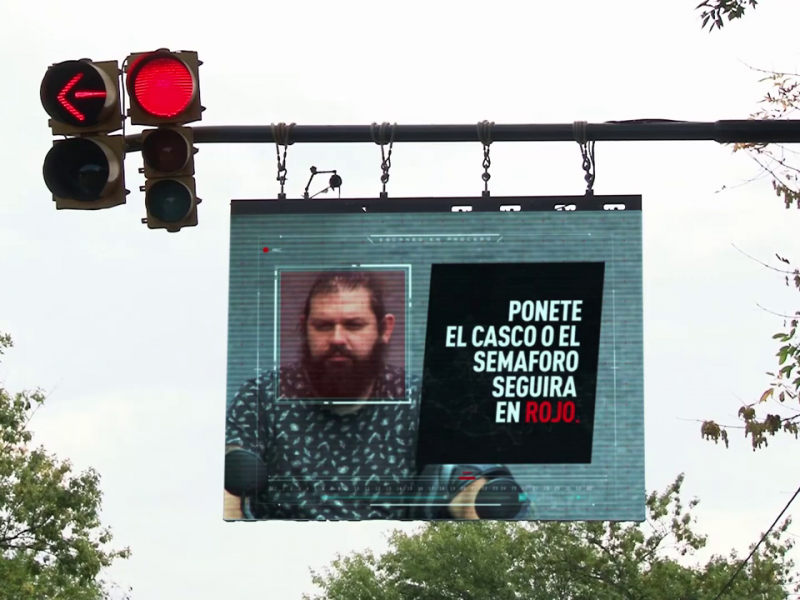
x: 81, y: 169
x: 77, y: 93
x: 169, y: 201
x: 162, y: 85
x: 166, y: 150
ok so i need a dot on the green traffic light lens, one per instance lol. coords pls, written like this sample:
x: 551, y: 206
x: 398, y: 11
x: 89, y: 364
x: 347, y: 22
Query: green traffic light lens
x: 77, y: 169
x: 169, y: 201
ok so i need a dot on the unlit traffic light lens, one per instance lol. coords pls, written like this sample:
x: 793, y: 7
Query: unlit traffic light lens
x: 77, y: 93
x: 80, y: 169
x: 166, y: 151
x: 162, y: 86
x: 169, y: 201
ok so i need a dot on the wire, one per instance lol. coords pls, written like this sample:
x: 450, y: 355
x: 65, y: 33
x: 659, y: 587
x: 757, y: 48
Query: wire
x: 753, y: 551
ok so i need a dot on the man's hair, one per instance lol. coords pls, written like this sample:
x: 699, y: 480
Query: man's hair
x: 332, y: 282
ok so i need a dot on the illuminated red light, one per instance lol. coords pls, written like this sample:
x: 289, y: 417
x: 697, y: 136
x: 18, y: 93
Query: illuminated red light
x: 163, y: 87
x: 78, y: 93
x: 467, y: 475
x: 62, y: 98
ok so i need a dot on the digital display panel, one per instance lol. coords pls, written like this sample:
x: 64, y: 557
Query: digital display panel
x: 438, y: 358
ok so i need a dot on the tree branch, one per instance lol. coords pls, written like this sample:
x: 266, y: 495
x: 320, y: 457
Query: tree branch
x: 772, y: 312
x: 769, y: 72
x: 787, y: 419
x: 765, y: 264
x: 6, y: 541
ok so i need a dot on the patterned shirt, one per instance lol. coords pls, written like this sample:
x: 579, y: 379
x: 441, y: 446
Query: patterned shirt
x: 322, y: 465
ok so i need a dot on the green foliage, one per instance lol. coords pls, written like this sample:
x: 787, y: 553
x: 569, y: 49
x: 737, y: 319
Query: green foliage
x: 52, y: 544
x: 715, y: 10
x: 783, y: 394
x: 781, y: 101
x: 561, y: 561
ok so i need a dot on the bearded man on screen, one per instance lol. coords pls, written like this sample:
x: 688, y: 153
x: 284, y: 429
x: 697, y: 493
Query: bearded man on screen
x: 338, y: 430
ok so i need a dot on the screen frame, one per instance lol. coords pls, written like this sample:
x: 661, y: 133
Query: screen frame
x: 616, y: 203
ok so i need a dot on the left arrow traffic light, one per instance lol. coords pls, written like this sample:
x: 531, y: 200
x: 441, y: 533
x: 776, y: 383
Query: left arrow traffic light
x: 85, y: 171
x: 82, y: 97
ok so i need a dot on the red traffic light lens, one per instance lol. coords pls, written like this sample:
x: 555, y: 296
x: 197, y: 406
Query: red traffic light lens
x: 162, y: 86
x: 166, y: 151
x: 77, y: 93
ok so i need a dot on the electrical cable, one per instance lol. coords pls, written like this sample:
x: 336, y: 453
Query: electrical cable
x: 753, y: 551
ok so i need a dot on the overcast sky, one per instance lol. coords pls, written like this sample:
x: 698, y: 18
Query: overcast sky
x: 127, y: 327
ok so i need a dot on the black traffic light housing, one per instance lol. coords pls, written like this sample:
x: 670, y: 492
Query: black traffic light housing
x: 168, y: 152
x: 170, y: 194
x: 82, y: 97
x: 164, y: 91
x: 85, y: 171
x: 171, y: 203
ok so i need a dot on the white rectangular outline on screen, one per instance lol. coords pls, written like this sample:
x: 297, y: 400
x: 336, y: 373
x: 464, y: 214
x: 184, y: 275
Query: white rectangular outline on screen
x: 276, y: 327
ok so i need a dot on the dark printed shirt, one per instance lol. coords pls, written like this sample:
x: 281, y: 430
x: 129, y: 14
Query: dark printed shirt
x: 322, y: 465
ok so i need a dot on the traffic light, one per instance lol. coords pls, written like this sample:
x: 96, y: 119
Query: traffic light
x: 170, y: 196
x: 85, y: 171
x: 164, y: 91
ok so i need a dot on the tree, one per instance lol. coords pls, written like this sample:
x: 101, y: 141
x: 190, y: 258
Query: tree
x: 52, y: 544
x: 715, y: 10
x: 759, y: 423
x: 756, y: 421
x: 561, y: 561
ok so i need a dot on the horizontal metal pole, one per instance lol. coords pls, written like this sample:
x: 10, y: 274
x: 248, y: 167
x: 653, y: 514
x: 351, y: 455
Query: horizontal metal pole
x: 754, y: 131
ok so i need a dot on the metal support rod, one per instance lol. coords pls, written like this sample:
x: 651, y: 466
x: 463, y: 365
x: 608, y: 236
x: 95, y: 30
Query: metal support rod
x: 753, y: 131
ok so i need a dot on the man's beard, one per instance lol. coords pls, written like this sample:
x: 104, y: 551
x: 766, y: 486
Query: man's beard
x: 346, y: 380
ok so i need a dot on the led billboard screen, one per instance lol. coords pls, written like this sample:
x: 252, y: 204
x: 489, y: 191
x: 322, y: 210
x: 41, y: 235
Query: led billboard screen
x: 436, y: 359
